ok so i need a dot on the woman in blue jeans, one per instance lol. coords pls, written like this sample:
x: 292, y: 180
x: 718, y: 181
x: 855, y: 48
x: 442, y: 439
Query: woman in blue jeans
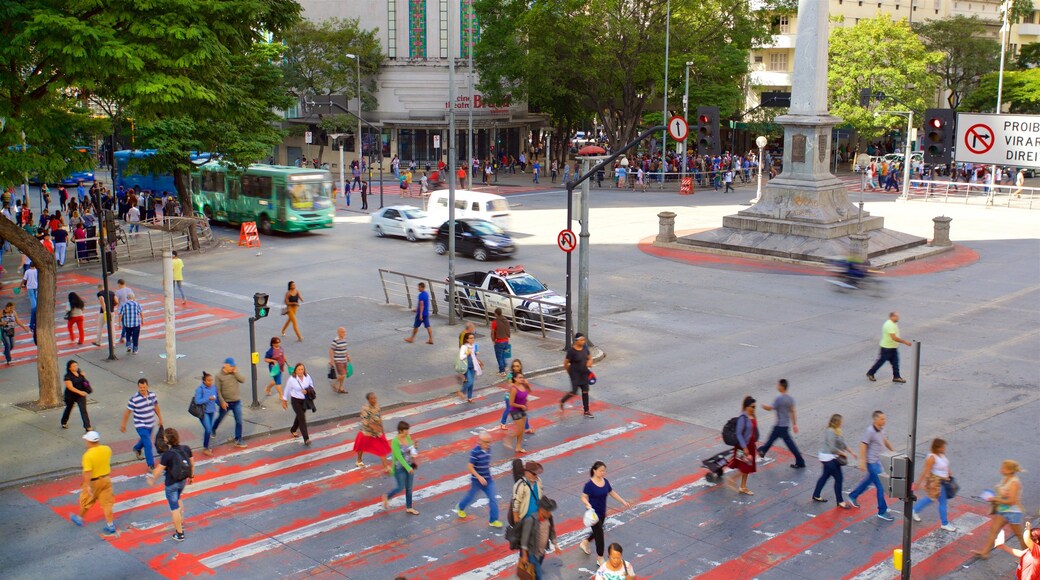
x: 206, y: 395
x: 831, y: 454
x: 936, y: 475
x: 516, y: 367
x: 402, y: 453
x: 474, y: 368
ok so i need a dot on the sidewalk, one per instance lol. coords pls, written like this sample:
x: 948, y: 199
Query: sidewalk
x: 34, y: 445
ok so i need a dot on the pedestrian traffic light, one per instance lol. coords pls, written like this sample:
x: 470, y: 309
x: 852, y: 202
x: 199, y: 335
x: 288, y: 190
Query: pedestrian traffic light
x: 708, y: 142
x: 111, y: 262
x: 939, y: 130
x: 897, y: 476
x: 260, y: 307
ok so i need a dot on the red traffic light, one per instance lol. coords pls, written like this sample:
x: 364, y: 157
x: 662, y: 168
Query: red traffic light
x: 704, y: 119
x: 935, y: 122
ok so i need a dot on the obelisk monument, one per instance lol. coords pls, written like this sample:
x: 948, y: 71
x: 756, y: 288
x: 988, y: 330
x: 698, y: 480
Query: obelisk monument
x: 804, y: 212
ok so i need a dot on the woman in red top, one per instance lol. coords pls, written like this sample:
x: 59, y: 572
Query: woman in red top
x: 747, y: 436
x: 500, y: 336
x: 1029, y: 559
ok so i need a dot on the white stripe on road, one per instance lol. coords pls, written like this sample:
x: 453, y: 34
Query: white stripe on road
x: 927, y: 546
x: 573, y: 538
x: 454, y: 484
x: 223, y: 293
x: 305, y: 458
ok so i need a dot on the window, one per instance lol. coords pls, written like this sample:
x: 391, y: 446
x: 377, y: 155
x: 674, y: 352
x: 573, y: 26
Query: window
x: 785, y: 24
x: 759, y: 59
x: 391, y: 214
x: 258, y: 186
x: 778, y: 61
x: 391, y: 29
x: 476, y: 206
x: 444, y: 28
x: 443, y: 202
x: 212, y: 181
x: 460, y: 204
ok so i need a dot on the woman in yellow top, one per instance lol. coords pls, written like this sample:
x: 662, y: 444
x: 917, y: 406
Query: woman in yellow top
x: 178, y: 276
x: 403, y: 467
x: 1007, y: 506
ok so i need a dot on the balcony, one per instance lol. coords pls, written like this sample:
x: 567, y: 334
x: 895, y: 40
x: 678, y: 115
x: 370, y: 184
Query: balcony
x: 768, y: 78
x: 781, y: 41
x: 1028, y: 29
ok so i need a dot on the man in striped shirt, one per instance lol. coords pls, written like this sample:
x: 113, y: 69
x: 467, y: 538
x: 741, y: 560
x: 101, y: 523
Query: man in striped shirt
x: 338, y: 358
x: 130, y: 314
x: 145, y: 408
x: 480, y: 480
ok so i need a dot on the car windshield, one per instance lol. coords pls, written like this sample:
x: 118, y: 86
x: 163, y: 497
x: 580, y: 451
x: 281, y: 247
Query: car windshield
x: 309, y: 194
x: 413, y: 214
x: 484, y: 227
x: 498, y: 205
x: 525, y: 284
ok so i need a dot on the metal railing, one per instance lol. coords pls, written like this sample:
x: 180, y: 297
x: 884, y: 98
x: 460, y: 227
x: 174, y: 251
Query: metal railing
x: 657, y: 179
x: 148, y: 243
x: 523, y: 313
x: 974, y: 193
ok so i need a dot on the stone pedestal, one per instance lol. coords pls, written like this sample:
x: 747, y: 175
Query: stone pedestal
x: 666, y: 231
x: 858, y: 248
x: 941, y: 237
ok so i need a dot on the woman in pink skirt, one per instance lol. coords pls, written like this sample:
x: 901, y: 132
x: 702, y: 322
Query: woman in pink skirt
x: 371, y: 438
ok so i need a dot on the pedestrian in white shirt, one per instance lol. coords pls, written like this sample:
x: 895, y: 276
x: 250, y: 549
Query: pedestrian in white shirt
x: 300, y: 390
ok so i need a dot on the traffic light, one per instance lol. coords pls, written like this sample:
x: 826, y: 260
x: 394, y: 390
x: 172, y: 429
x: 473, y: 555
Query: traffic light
x: 260, y: 307
x: 111, y: 262
x: 708, y: 142
x: 939, y: 131
x: 864, y: 98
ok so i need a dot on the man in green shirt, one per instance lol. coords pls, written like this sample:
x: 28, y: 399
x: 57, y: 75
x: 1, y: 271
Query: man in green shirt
x: 890, y: 342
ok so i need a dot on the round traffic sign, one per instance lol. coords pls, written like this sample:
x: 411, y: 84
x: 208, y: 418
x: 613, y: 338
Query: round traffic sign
x: 979, y: 138
x: 678, y: 129
x: 566, y: 240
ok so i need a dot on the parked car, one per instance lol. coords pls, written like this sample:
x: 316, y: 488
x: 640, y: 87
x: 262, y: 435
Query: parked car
x: 406, y: 221
x: 519, y: 295
x: 479, y: 238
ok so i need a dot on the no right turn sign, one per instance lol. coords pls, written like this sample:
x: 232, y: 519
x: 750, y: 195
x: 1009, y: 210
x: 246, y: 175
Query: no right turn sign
x: 999, y: 139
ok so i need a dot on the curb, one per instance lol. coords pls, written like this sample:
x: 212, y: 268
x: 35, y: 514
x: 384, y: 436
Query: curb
x: 597, y: 355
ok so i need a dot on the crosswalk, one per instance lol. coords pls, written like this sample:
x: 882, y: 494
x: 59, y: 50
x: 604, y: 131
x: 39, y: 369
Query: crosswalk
x: 190, y: 317
x: 278, y: 509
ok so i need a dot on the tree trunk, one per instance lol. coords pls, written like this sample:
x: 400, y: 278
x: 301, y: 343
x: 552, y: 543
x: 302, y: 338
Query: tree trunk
x: 47, y: 347
x: 181, y: 180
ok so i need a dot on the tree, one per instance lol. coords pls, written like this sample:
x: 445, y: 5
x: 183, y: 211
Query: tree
x: 603, y: 67
x: 884, y: 56
x: 1029, y: 55
x: 179, y: 58
x: 1021, y: 93
x: 966, y: 53
x: 315, y: 63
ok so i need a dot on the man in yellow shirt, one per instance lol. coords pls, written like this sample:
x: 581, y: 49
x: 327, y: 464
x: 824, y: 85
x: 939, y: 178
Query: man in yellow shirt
x: 97, y: 485
x: 178, y: 276
x: 890, y: 342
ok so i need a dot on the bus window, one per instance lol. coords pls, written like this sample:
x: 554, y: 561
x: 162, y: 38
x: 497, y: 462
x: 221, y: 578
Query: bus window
x: 257, y: 186
x: 195, y: 183
x: 233, y: 189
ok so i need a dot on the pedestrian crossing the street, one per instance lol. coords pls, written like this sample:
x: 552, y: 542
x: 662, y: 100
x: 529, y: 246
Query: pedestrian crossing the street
x: 278, y: 509
x: 190, y: 318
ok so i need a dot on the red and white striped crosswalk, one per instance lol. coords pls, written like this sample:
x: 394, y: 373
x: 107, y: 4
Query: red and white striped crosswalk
x: 190, y: 317
x: 278, y: 509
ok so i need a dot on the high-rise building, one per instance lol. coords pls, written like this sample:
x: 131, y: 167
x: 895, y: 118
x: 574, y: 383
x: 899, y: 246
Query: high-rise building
x: 412, y: 85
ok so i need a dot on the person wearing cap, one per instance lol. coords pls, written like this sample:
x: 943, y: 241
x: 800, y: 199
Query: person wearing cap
x: 97, y: 486
x: 145, y: 407
x: 537, y: 532
x: 577, y: 364
x: 229, y: 397
x: 527, y: 491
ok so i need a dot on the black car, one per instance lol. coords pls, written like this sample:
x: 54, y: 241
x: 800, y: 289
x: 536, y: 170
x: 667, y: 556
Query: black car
x: 478, y: 238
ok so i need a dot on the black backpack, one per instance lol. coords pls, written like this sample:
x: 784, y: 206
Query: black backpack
x: 729, y: 432
x: 180, y: 468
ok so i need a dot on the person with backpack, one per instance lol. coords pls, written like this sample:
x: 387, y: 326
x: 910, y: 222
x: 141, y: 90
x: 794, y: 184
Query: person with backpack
x: 532, y: 529
x: 744, y: 452
x: 179, y: 467
x: 527, y: 490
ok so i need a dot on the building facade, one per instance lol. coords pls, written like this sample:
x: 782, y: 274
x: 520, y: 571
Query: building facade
x: 412, y: 91
x: 772, y: 65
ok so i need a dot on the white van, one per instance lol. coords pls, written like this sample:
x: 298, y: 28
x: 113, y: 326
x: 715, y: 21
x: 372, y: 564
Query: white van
x: 470, y: 204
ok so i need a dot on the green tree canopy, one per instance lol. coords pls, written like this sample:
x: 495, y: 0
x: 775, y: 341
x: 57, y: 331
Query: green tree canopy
x: 316, y: 62
x: 966, y: 54
x: 1021, y: 93
x: 885, y: 56
x: 1029, y: 55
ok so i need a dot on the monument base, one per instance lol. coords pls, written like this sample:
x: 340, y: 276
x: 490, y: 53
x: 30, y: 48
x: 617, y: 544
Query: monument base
x: 799, y: 241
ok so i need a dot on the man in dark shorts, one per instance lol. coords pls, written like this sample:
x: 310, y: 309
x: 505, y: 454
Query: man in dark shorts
x: 577, y: 363
x: 422, y: 314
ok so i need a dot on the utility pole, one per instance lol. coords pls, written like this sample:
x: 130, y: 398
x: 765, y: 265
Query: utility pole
x: 254, y: 360
x: 911, y: 453
x: 664, y: 110
x: 170, y: 318
x: 469, y: 128
x: 103, y: 258
x: 686, y: 117
x: 451, y: 168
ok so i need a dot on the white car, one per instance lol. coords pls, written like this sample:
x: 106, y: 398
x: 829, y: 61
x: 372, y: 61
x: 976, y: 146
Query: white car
x: 406, y: 221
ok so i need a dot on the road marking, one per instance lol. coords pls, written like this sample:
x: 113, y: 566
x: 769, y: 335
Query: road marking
x: 223, y: 293
x: 297, y: 461
x: 454, y: 484
x: 927, y: 546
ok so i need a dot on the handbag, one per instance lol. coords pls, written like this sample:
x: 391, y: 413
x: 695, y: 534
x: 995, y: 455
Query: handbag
x: 332, y: 372
x: 197, y: 410
x: 350, y: 370
x: 842, y: 460
x: 952, y: 487
x: 9, y: 331
x: 87, y: 388
x: 525, y: 570
x: 461, y: 366
x: 161, y: 444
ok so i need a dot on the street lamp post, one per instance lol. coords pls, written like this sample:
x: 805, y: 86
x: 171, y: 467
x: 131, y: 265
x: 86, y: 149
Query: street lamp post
x: 358, y: 145
x: 470, y: 157
x: 761, y: 142
x: 664, y: 109
x: 1004, y: 29
x: 686, y: 117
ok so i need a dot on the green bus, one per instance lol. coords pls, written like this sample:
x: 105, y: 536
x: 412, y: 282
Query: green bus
x: 276, y: 197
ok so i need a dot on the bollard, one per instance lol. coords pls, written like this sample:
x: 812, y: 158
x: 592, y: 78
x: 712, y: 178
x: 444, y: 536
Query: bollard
x: 859, y: 248
x: 667, y: 227
x: 941, y: 237
x: 897, y: 559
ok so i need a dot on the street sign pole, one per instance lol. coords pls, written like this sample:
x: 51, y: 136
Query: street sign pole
x: 583, y: 257
x: 252, y: 366
x: 911, y: 454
